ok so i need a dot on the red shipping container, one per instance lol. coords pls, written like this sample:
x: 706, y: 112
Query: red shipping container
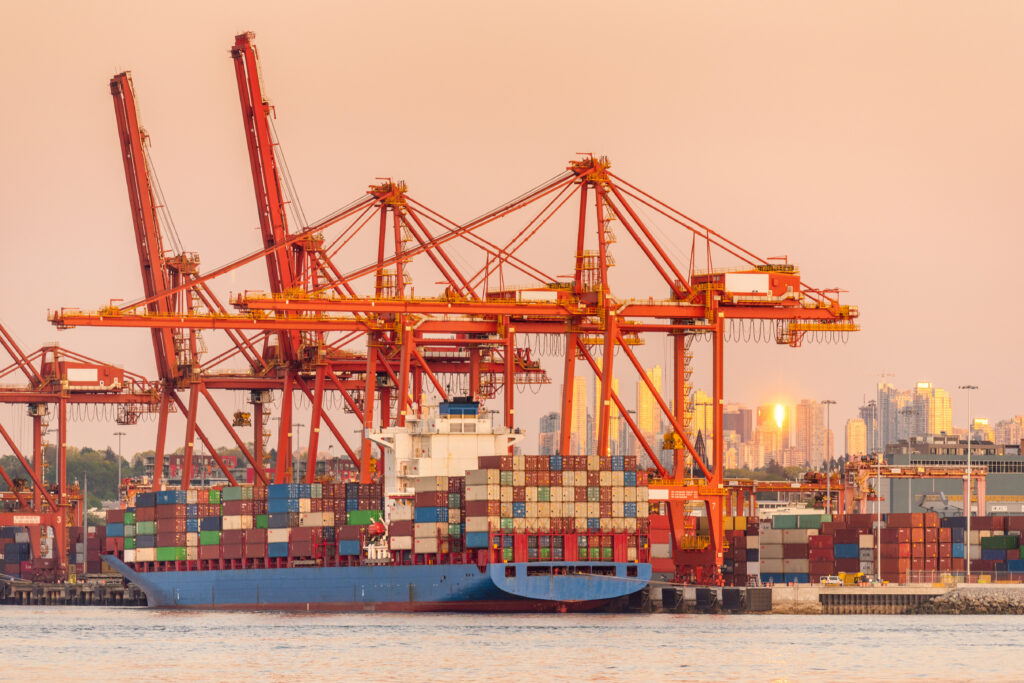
x: 605, y: 508
x: 794, y: 551
x: 519, y: 494
x: 736, y: 554
x: 593, y: 478
x: 931, y: 564
x: 554, y: 479
x: 255, y: 536
x: 231, y: 537
x: 170, y: 511
x: 300, y: 548
x: 945, y: 550
x: 895, y: 535
x: 145, y: 514
x: 661, y: 536
x: 643, y: 525
x: 209, y: 552
x: 820, y: 541
x: 895, y: 550
x: 931, y: 550
x: 918, y: 519
x: 169, y: 539
x: 115, y: 516
x: 231, y: 552
x: 658, y: 521
x: 429, y: 499
x: 658, y: 564
x: 900, y: 519
x: 931, y: 535
x: 847, y: 536
x: 820, y: 554
x: 861, y: 521
x: 821, y: 568
x: 931, y: 520
x: 957, y: 564
x: 606, y: 495
x: 544, y: 478
x: 1015, y: 523
x: 917, y: 550
x: 238, y: 507
x: 945, y: 563
x: 945, y: 535
x: 255, y: 550
x: 493, y: 462
x: 739, y: 540
x: 847, y: 564
x: 302, y: 534
x: 170, y: 525
x: 531, y: 478
x: 113, y: 545
x: 917, y: 535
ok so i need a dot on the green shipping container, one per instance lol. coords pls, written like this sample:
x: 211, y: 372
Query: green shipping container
x: 784, y: 522
x: 129, y: 543
x: 593, y: 494
x: 129, y: 530
x: 316, y: 490
x: 262, y: 521
x: 545, y: 553
x: 171, y: 554
x: 508, y: 554
x: 454, y: 501
x: 129, y: 518
x: 595, y: 553
x: 543, y: 494
x: 236, y: 493
x: 582, y: 541
x: 214, y: 497
x: 812, y: 521
x: 364, y: 517
x: 606, y: 554
x: 455, y: 530
x: 505, y: 478
x: 506, y: 524
x: 209, y: 538
x: 145, y: 528
x: 1000, y: 542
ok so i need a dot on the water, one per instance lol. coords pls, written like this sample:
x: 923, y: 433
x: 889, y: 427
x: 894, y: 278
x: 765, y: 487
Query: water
x: 139, y: 644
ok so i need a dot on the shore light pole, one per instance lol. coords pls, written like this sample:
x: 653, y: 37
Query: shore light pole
x: 119, y: 435
x: 828, y: 403
x: 967, y: 503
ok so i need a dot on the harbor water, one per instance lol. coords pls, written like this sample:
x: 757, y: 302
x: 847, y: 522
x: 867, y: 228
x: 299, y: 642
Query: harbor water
x: 86, y: 644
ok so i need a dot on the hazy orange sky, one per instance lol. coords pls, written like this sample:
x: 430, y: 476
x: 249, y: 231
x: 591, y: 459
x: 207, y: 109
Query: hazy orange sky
x: 875, y: 144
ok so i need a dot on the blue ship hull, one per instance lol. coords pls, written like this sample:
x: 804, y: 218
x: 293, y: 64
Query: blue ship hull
x: 512, y: 587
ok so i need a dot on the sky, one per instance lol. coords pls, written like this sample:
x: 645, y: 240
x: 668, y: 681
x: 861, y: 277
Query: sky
x: 874, y: 144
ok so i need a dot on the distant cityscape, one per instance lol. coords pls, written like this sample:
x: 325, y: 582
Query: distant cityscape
x: 788, y: 435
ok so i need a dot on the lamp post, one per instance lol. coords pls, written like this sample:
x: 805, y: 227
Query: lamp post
x: 828, y: 403
x: 119, y: 435
x: 298, y: 445
x: 967, y: 503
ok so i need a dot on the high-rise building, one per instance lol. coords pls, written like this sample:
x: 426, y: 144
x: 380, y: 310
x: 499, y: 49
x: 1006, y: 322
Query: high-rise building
x: 932, y: 411
x: 549, y: 433
x: 613, y: 417
x: 856, y: 437
x: 703, y: 416
x: 738, y: 419
x: 982, y: 431
x: 1009, y: 431
x: 578, y: 423
x: 810, y: 432
x: 867, y: 415
x: 648, y: 413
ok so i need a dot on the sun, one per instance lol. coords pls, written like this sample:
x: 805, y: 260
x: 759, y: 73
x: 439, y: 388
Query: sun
x: 780, y: 414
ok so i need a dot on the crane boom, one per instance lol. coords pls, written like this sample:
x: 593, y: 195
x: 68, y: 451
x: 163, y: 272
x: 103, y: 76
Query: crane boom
x: 144, y: 218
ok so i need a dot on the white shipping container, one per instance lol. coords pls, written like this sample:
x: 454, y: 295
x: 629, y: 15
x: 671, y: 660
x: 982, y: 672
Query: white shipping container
x: 483, y: 492
x: 426, y: 545
x: 771, y: 551
x: 231, y: 522
x: 400, y: 542
x: 145, y: 554
x: 661, y: 550
x: 771, y: 565
x: 428, y: 484
x: 771, y: 536
x: 305, y: 505
x: 192, y: 539
x: 795, y: 566
x: 192, y: 553
x: 430, y: 530
x: 482, y: 478
x: 402, y: 511
x: 277, y: 535
x: 129, y: 555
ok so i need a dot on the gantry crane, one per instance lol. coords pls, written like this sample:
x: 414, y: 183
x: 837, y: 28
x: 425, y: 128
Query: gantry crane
x: 311, y: 298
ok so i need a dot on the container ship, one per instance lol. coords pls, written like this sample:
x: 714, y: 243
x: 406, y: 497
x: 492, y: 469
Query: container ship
x: 453, y: 523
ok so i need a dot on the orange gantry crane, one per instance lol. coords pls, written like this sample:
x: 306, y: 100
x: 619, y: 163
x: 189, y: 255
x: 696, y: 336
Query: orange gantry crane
x: 478, y: 326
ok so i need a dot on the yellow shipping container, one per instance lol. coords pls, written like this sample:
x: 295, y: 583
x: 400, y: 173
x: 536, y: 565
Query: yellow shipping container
x: 568, y: 478
x: 606, y: 525
x: 618, y: 478
x: 630, y: 525
x: 579, y: 510
x: 531, y: 494
x: 629, y: 494
x: 519, y: 524
x: 618, y: 525
x: 593, y: 463
x: 544, y: 510
x: 727, y: 523
x: 604, y: 478
x: 556, y: 494
x: 593, y: 509
x: 739, y: 523
x: 506, y: 509
x: 618, y: 494
x: 519, y: 478
x: 506, y: 496
x: 618, y: 510
x: 519, y: 463
x: 531, y: 510
x: 544, y: 525
x: 579, y: 524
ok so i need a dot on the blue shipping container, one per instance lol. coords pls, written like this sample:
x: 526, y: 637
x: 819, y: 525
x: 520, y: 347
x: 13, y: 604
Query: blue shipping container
x: 278, y: 520
x: 115, y: 530
x: 618, y: 463
x: 192, y: 510
x: 171, y: 497
x: 957, y: 550
x: 629, y: 478
x: 349, y: 547
x: 753, y: 554
x: 555, y: 463
x: 772, y: 578
x: 277, y: 549
x: 209, y: 524
x: 284, y: 491
x: 798, y: 578
x: 430, y: 515
x: 192, y: 525
x: 145, y: 541
x: 593, y: 524
x: 1015, y: 566
x: 276, y: 505
x: 847, y: 550
x: 997, y: 554
x: 519, y: 509
x: 477, y: 539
